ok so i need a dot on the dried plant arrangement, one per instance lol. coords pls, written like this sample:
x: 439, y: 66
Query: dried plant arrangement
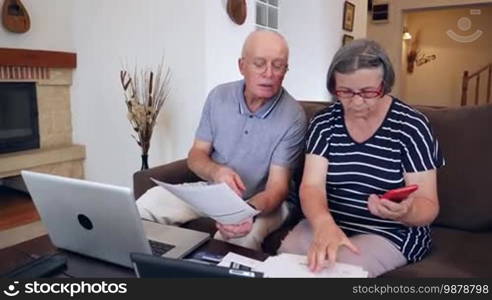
x: 145, y: 92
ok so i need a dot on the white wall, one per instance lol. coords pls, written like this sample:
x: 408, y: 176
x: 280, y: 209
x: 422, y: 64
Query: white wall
x: 314, y: 32
x: 360, y: 23
x: 51, y: 27
x: 124, y: 30
x: 223, y: 42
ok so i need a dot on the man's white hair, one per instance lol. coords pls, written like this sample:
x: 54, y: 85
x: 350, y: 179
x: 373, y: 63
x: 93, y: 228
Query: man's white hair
x: 250, y: 37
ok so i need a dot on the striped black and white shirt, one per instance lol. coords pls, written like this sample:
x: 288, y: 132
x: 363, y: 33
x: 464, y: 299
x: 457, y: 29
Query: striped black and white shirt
x: 404, y: 143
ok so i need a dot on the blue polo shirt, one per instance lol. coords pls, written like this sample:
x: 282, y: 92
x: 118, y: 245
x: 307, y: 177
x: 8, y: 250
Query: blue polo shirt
x: 250, y: 143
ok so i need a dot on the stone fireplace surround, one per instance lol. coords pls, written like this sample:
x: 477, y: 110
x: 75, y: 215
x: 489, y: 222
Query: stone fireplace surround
x: 52, y: 73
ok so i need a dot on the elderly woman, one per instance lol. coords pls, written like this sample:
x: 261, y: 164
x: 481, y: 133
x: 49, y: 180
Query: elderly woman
x: 358, y: 148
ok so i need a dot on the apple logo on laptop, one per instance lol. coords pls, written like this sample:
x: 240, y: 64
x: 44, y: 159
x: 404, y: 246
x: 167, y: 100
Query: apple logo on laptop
x: 84, y: 221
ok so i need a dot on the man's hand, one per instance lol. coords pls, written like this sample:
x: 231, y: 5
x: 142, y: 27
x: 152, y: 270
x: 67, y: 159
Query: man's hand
x: 231, y: 178
x: 200, y: 162
x: 235, y: 230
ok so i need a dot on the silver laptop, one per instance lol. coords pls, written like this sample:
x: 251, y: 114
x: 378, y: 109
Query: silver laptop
x: 102, y: 221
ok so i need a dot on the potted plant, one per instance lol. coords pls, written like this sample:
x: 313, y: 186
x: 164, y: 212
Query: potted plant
x: 145, y: 93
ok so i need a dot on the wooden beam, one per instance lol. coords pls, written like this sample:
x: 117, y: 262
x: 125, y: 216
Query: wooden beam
x: 477, y: 90
x: 464, y: 89
x: 37, y: 58
x: 489, y: 83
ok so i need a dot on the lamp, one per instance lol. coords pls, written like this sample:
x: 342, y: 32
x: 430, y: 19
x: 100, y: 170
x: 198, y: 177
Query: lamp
x: 406, y: 34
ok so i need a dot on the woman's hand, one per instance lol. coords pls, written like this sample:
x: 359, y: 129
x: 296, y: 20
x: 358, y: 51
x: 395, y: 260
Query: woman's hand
x: 328, y: 237
x: 388, y: 209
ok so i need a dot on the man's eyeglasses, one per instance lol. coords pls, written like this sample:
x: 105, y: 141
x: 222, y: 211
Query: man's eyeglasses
x: 260, y: 65
x: 365, y: 93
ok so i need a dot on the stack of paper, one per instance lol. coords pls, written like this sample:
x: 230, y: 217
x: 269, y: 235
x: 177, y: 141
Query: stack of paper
x: 292, y: 266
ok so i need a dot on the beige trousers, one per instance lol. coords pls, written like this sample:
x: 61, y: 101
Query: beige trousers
x: 377, y: 254
x: 158, y: 205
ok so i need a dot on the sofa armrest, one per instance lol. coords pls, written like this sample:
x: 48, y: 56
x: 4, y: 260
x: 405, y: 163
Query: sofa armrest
x: 174, y: 172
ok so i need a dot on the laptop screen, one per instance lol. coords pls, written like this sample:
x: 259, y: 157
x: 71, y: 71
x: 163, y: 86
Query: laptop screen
x: 149, y: 266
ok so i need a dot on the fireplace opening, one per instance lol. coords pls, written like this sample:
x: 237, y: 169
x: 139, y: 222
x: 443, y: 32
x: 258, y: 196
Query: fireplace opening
x: 18, y: 117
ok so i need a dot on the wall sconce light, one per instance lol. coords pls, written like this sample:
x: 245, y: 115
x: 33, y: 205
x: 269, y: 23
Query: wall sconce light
x: 406, y: 35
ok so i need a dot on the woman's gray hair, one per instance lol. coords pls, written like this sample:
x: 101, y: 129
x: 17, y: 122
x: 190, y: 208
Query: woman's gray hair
x: 361, y: 54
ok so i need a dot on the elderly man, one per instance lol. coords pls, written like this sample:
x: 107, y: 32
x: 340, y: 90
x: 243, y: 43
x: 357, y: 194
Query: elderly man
x: 250, y: 136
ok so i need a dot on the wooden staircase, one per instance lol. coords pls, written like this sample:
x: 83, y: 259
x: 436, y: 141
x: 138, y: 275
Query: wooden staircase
x: 467, y: 78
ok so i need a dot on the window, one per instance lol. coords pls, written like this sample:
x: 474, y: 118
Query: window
x: 267, y: 14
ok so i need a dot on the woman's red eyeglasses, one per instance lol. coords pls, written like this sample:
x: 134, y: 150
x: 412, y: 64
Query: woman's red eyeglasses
x: 366, y: 94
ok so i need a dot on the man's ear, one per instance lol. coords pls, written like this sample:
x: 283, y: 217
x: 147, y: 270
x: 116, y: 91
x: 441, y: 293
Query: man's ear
x: 241, y: 65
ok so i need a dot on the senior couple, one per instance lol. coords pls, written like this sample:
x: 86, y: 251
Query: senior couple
x: 253, y: 135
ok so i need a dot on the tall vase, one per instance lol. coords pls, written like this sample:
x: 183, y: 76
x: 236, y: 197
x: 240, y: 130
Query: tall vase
x: 145, y: 162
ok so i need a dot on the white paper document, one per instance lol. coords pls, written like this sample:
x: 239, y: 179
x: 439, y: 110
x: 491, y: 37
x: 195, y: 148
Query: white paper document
x: 232, y: 257
x: 217, y: 201
x: 292, y: 266
x: 295, y: 266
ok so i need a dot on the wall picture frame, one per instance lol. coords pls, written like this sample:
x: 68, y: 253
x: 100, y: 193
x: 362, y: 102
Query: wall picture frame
x: 348, y: 16
x: 380, y: 12
x: 347, y: 39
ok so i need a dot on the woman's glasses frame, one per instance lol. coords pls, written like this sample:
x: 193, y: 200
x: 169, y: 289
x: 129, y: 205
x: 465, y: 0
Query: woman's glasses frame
x: 365, y: 94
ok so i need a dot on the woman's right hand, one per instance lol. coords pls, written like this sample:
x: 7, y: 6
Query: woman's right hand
x: 328, y: 237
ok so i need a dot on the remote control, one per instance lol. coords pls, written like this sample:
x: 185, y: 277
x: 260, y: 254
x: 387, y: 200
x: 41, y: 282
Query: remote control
x: 43, y: 266
x: 207, y: 256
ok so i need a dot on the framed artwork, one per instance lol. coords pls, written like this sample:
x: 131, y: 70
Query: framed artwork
x: 348, y: 16
x: 380, y: 12
x: 347, y: 39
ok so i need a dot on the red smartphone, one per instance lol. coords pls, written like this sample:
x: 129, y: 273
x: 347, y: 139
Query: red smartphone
x: 398, y: 195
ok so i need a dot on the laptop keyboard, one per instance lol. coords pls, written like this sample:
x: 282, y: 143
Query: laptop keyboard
x: 159, y: 248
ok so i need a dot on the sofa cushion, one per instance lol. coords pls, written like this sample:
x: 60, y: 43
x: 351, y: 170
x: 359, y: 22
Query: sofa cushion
x: 465, y: 138
x: 312, y: 107
x: 454, y: 253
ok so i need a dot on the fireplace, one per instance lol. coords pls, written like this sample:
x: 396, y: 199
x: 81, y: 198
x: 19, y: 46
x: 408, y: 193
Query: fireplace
x: 35, y: 114
x: 18, y: 117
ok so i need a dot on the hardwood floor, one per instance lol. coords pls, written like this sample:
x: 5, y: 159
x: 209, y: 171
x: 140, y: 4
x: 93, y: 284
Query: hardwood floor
x: 16, y: 209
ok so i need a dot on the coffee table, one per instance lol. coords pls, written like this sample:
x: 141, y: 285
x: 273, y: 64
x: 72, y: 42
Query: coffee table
x: 80, y: 266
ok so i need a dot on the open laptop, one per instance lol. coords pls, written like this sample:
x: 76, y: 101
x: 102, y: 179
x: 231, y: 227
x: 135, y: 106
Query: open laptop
x: 102, y: 221
x: 148, y: 266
